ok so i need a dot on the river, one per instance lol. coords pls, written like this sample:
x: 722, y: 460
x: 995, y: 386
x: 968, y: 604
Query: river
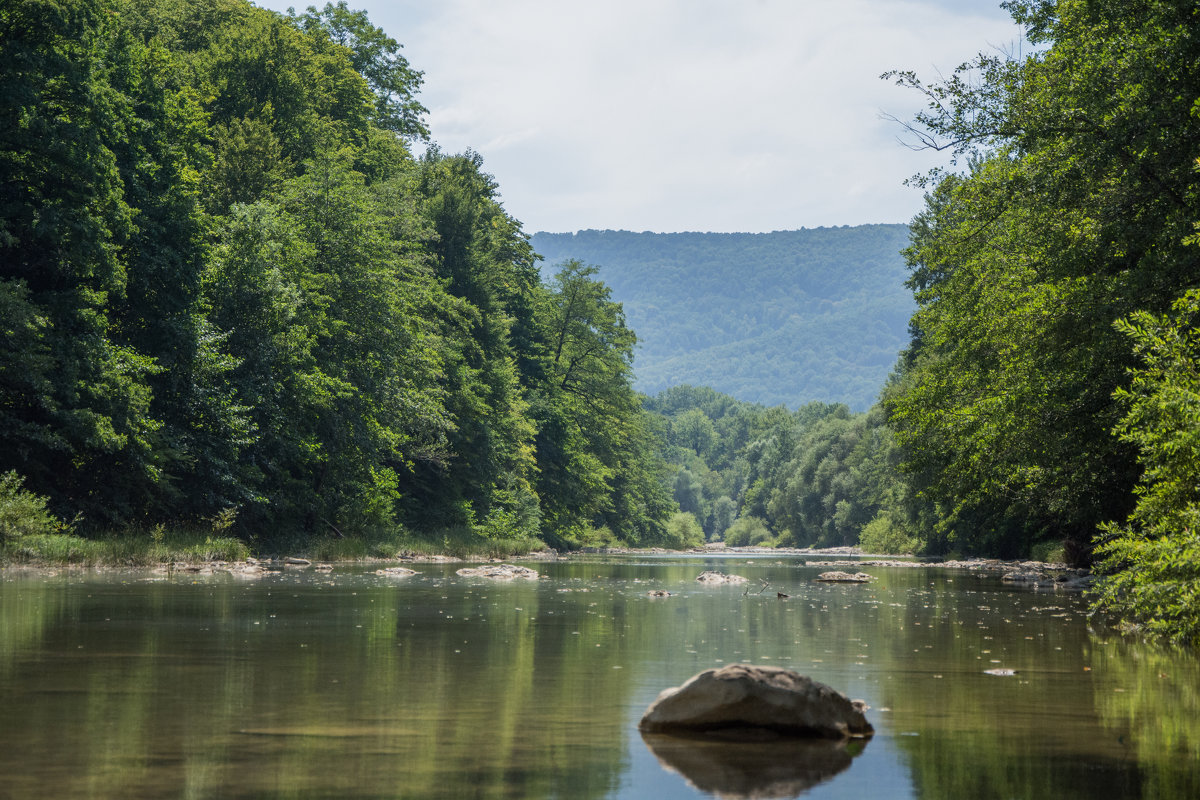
x: 350, y: 684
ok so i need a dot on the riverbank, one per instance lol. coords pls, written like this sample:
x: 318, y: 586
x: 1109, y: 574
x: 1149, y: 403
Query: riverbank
x: 190, y: 548
x: 192, y: 552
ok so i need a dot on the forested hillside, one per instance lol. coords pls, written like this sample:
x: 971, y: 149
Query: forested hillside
x: 229, y: 290
x: 787, y: 317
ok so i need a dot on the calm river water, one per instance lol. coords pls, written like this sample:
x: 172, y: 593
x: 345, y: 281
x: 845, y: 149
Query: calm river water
x: 354, y: 685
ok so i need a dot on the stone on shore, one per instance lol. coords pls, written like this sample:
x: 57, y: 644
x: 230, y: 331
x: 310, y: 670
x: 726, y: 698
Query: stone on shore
x: 499, y: 572
x: 746, y: 701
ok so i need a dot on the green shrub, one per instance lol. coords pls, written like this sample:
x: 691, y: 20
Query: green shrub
x: 59, y: 548
x: 746, y: 532
x: 884, y: 535
x: 1053, y: 552
x: 683, y: 531
x: 217, y: 548
x: 23, y: 513
x: 1150, y: 565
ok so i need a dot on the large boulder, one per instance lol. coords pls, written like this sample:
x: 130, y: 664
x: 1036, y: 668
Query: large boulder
x: 742, y: 701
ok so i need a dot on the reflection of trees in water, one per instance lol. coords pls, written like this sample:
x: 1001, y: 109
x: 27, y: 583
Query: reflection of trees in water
x: 1151, y: 700
x: 146, y: 689
x: 27, y: 609
x: 760, y: 769
x: 366, y: 690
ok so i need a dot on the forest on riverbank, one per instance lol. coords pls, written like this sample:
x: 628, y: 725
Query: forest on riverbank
x: 1049, y: 399
x: 232, y: 293
x: 235, y: 297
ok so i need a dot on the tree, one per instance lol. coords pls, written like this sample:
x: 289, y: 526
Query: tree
x: 1071, y: 214
x: 723, y: 514
x: 1152, y: 562
x: 375, y: 56
x: 75, y: 411
x: 596, y: 462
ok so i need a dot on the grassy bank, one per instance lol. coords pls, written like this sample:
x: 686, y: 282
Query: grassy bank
x: 141, y: 549
x: 31, y: 534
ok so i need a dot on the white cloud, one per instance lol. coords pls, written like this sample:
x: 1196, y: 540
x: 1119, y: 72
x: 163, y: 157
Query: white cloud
x: 686, y: 114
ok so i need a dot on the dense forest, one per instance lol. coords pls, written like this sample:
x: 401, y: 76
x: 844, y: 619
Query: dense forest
x: 819, y: 476
x: 231, y: 291
x: 786, y: 317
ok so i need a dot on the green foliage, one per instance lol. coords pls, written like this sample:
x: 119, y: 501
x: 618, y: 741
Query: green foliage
x: 785, y: 317
x: 885, y: 534
x: 226, y: 283
x: 747, y: 532
x: 723, y: 515
x: 815, y: 476
x: 1152, y: 562
x: 375, y: 56
x: 55, y: 548
x: 1051, y: 552
x: 217, y: 548
x: 683, y: 531
x: 23, y: 513
x: 1071, y: 214
x: 835, y: 482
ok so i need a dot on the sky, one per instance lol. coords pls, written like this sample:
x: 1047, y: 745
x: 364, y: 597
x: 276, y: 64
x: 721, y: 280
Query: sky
x: 687, y: 115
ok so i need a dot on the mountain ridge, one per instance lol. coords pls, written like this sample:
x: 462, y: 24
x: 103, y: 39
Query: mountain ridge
x: 785, y: 317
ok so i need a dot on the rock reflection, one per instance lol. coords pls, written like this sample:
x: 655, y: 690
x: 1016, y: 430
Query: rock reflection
x: 771, y: 768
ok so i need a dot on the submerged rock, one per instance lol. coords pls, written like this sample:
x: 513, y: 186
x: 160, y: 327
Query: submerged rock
x: 499, y: 572
x: 844, y: 577
x: 709, y: 576
x: 746, y: 701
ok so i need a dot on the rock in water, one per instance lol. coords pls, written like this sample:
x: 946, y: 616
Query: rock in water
x: 710, y: 576
x: 499, y: 572
x: 843, y: 577
x: 396, y: 572
x: 742, y: 701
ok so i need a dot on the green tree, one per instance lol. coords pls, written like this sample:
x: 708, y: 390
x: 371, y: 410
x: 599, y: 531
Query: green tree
x: 1152, y: 562
x: 1071, y: 215
x: 596, y: 462
x: 723, y: 514
x: 485, y: 261
x: 75, y: 414
x: 375, y: 56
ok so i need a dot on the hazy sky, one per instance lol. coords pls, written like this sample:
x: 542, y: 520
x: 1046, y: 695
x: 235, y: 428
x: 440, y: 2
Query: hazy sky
x: 686, y: 115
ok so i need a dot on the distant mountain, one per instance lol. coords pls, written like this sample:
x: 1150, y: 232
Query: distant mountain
x: 785, y: 317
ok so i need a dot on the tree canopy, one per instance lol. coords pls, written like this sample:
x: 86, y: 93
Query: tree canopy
x: 228, y: 286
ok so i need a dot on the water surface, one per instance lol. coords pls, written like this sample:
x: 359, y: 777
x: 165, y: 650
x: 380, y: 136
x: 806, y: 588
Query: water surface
x: 350, y: 684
